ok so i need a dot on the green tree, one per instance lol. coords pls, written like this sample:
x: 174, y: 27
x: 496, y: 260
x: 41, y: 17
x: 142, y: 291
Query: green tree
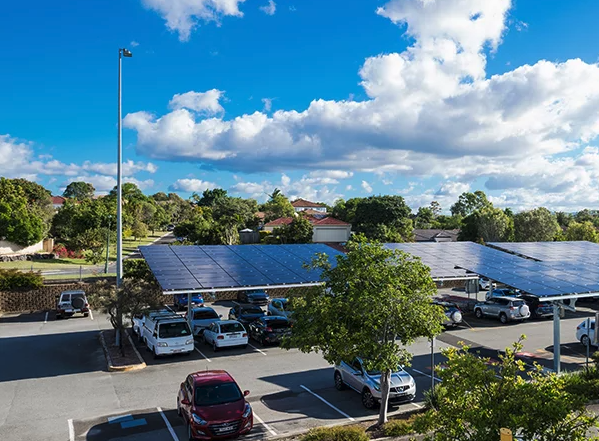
x: 476, y: 398
x: 563, y: 219
x: 435, y: 208
x: 468, y: 203
x: 384, y: 218
x: 129, y: 191
x: 209, y: 197
x: 139, y: 230
x: 425, y: 218
x: 449, y: 222
x: 277, y: 206
x: 159, y: 220
x: 581, y: 231
x: 536, y: 225
x: 300, y: 230
x: 397, y: 289
x: 79, y: 191
x: 487, y: 224
x: 346, y: 210
x: 20, y: 220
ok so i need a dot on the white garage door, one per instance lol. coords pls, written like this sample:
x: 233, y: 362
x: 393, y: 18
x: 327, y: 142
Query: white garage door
x: 330, y: 235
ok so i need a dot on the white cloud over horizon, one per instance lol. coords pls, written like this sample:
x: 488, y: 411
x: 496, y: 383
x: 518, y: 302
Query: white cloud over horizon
x: 207, y: 103
x: 190, y: 185
x: 270, y: 8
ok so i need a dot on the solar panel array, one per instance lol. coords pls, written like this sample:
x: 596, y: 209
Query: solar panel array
x: 441, y: 267
x: 186, y: 268
x: 542, y: 279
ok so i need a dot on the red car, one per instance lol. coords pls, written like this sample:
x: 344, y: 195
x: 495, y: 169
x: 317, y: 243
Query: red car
x: 213, y: 406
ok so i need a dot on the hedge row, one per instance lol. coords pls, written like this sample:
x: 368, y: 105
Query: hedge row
x: 13, y: 279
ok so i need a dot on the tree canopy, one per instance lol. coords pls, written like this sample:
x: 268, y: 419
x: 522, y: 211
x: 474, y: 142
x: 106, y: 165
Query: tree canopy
x: 21, y: 211
x: 397, y: 289
x: 535, y: 225
x: 300, y: 230
x: 79, y: 191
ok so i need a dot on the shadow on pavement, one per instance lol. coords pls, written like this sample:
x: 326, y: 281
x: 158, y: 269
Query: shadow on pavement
x: 50, y: 355
x: 26, y: 317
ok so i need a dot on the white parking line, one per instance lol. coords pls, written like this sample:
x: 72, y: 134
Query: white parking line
x: 272, y: 432
x: 416, y: 405
x: 91, y: 314
x: 262, y: 352
x: 71, y: 430
x: 422, y: 373
x: 326, y: 402
x: 168, y: 424
x: 46, y: 317
x: 202, y: 354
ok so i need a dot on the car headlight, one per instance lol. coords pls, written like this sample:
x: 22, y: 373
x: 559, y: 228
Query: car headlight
x: 198, y: 420
x: 247, y: 410
x: 162, y: 344
x: 189, y: 342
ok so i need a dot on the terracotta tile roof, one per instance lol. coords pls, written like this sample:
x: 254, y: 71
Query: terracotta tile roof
x: 58, y: 200
x: 313, y: 220
x: 329, y: 221
x: 261, y: 215
x: 311, y: 212
x: 304, y: 203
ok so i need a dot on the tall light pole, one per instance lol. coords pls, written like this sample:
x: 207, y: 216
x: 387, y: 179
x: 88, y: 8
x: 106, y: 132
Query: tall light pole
x: 119, y: 190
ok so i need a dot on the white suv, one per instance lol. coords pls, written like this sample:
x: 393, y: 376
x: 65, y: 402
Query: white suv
x: 71, y: 302
x: 583, y: 335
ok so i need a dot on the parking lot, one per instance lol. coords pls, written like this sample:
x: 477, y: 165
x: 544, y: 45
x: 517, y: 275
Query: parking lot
x: 54, y: 384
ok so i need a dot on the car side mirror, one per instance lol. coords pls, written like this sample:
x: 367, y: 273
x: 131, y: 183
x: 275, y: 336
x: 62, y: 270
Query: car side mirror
x: 220, y: 315
x: 246, y: 393
x: 185, y: 402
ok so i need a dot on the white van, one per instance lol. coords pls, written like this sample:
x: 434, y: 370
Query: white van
x: 167, y: 334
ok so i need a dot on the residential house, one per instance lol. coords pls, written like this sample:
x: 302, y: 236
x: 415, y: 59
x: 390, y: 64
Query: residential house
x: 302, y: 205
x: 58, y: 201
x: 325, y: 229
x: 435, y: 235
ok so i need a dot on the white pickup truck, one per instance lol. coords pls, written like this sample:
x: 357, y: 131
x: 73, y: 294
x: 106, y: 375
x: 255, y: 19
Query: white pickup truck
x: 167, y: 334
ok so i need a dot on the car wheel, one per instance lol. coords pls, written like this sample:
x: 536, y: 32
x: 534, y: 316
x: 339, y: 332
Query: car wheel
x: 367, y: 399
x: 584, y: 340
x: 339, y: 384
x: 154, y: 353
x: 478, y: 313
x: 503, y: 318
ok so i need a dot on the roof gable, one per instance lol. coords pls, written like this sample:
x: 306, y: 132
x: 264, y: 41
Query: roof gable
x: 298, y: 203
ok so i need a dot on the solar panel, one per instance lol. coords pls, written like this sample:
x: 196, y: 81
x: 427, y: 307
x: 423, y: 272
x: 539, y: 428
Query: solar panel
x: 230, y: 266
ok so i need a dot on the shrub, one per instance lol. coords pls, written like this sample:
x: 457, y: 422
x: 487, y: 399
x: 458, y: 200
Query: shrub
x: 61, y: 251
x: 583, y: 384
x: 340, y: 433
x: 13, y: 279
x: 399, y: 427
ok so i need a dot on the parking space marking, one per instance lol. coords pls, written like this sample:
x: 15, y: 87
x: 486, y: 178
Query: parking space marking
x: 71, y: 430
x: 272, y: 432
x: 418, y: 406
x: 91, y: 314
x: 326, y: 402
x: 202, y: 354
x: 168, y: 424
x: 422, y: 373
x: 262, y: 352
x: 46, y: 317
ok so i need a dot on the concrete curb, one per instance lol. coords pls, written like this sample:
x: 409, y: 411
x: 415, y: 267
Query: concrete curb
x: 127, y: 368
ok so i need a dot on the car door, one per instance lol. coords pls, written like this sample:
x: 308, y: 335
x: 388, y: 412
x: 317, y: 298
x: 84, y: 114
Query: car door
x: 501, y: 305
x: 490, y: 307
x: 256, y: 328
x: 209, y: 333
x: 355, y: 377
x: 188, y: 395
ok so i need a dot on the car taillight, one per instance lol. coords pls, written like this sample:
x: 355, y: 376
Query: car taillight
x: 578, y: 328
x: 244, y: 334
x: 268, y: 329
x: 512, y: 308
x: 220, y: 337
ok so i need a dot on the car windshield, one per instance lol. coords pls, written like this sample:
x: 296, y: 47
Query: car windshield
x: 283, y: 306
x: 213, y: 394
x: 230, y: 327
x: 205, y: 314
x: 254, y: 310
x: 277, y: 324
x: 377, y: 372
x: 171, y: 330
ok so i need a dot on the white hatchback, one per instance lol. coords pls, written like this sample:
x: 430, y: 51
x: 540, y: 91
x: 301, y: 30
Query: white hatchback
x: 225, y: 333
x: 582, y: 334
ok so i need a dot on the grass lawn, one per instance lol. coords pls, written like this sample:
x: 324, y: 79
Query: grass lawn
x: 130, y: 245
x: 74, y: 277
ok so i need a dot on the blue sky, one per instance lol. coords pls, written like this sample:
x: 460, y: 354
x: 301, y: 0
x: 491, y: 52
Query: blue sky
x: 425, y: 99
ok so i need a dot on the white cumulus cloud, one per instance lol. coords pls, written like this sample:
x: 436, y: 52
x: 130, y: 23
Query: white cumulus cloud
x: 204, y: 102
x: 366, y: 187
x: 192, y: 185
x: 270, y: 8
x: 182, y: 16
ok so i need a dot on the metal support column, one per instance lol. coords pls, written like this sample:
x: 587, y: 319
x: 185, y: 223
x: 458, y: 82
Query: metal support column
x: 556, y: 337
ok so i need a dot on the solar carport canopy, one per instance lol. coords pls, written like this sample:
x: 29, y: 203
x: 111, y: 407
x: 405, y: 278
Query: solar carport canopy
x: 217, y: 267
x: 542, y: 279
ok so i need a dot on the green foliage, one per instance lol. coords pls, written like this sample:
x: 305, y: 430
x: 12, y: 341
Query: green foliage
x: 300, y: 230
x: 139, y: 229
x: 488, y: 224
x: 138, y: 269
x: 581, y: 231
x: 22, y: 211
x: 265, y: 236
x: 346, y: 210
x: 384, y: 218
x: 13, y: 279
x: 468, y: 203
x: 536, y: 225
x: 79, y: 191
x: 425, y: 218
x: 337, y: 433
x: 563, y: 219
x: 209, y: 197
x: 397, y: 289
x: 476, y: 398
x: 399, y: 427
x: 277, y: 206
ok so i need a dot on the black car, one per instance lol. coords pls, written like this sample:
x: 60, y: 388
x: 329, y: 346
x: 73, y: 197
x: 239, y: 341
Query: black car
x: 538, y: 308
x: 245, y: 313
x: 269, y: 329
x: 255, y: 297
